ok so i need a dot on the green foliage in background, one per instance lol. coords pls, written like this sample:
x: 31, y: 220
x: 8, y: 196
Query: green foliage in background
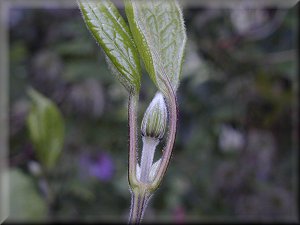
x: 46, y: 129
x: 26, y: 203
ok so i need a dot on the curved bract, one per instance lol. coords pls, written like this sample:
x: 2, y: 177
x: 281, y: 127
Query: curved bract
x: 113, y: 35
x: 158, y: 29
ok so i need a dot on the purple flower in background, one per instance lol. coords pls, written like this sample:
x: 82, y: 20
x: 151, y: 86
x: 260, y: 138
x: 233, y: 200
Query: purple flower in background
x: 100, y: 166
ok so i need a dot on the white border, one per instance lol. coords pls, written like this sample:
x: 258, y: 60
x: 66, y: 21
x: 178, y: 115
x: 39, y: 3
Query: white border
x: 4, y: 184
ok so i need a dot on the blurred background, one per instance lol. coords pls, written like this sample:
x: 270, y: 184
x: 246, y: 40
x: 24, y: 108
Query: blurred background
x: 235, y: 153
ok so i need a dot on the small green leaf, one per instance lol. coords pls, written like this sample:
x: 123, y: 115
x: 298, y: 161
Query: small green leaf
x: 113, y: 35
x: 159, y: 32
x: 46, y: 129
x: 26, y: 203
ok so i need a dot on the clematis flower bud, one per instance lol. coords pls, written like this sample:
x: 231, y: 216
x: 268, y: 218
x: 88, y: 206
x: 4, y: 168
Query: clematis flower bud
x: 155, y: 118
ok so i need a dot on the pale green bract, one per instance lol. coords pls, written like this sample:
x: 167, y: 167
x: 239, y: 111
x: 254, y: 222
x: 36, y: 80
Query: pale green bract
x: 113, y: 35
x: 159, y: 32
x: 46, y: 129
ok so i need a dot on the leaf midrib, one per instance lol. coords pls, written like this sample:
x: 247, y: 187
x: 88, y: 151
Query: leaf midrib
x: 121, y: 52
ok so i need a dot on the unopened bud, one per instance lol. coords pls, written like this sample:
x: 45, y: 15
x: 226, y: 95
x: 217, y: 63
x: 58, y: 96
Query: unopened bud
x: 155, y: 118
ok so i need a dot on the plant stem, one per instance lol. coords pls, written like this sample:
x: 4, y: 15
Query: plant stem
x: 139, y: 200
x: 132, y: 126
x: 141, y: 191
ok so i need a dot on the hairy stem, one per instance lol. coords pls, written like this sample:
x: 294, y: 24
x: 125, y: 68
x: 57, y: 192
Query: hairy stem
x: 132, y: 126
x: 139, y: 200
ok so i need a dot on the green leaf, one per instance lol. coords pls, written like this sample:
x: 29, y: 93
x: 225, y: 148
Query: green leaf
x: 159, y: 32
x: 113, y: 35
x: 25, y: 202
x: 46, y: 129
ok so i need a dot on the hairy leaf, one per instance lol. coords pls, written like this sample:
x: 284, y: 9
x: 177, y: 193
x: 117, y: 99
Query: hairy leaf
x: 46, y: 129
x: 113, y: 35
x: 159, y: 33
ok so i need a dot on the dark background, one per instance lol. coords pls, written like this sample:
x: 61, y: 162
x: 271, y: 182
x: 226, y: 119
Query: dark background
x: 234, y: 157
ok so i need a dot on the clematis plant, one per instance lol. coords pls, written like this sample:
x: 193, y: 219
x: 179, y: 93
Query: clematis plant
x: 156, y: 36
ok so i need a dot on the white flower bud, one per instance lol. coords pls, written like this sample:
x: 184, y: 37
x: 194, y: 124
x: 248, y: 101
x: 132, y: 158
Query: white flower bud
x: 155, y: 118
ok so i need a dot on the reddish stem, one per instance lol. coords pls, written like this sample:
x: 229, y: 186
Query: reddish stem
x: 132, y: 126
